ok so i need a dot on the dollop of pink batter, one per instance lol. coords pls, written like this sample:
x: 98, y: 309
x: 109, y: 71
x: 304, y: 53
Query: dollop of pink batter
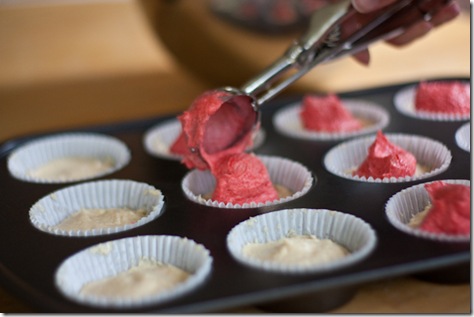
x: 242, y: 178
x: 211, y: 126
x: 443, y: 97
x: 327, y: 114
x: 451, y: 209
x: 386, y: 159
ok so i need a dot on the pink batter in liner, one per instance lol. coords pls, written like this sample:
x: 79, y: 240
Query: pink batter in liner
x: 327, y: 114
x: 443, y: 97
x: 385, y: 159
x: 451, y: 209
x: 242, y: 178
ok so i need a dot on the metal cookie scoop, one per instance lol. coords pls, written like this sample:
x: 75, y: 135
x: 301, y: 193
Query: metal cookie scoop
x: 325, y: 40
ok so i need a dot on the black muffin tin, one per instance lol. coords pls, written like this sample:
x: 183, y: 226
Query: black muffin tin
x: 29, y: 257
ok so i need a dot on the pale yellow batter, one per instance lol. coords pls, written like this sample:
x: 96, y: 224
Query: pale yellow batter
x: 282, y: 191
x: 145, y: 279
x: 96, y: 218
x: 69, y: 168
x: 422, y: 169
x: 418, y: 218
x: 296, y: 250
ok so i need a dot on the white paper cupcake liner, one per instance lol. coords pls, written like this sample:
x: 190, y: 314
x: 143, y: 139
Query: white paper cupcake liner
x: 402, y: 206
x: 158, y: 139
x: 353, y: 233
x: 287, y: 121
x: 287, y: 173
x: 50, y: 210
x: 463, y: 137
x: 34, y: 154
x: 110, y: 258
x: 404, y: 101
x: 346, y: 157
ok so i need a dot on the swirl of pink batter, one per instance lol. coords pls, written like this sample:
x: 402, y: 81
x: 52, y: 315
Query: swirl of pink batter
x: 385, y: 159
x: 443, y: 97
x: 327, y: 114
x: 451, y: 209
x: 242, y: 178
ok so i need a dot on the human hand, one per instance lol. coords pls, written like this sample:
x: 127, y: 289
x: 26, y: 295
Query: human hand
x: 419, y: 29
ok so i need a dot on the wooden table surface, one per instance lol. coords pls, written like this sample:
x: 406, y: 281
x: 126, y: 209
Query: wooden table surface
x: 79, y: 64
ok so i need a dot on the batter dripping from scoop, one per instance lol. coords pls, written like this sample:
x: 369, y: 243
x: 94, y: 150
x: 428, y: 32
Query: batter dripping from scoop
x: 209, y: 128
x: 216, y: 125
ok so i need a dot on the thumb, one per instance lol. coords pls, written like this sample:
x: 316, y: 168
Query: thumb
x: 366, y: 6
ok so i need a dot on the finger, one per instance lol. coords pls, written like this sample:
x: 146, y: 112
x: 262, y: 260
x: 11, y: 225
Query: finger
x: 412, y: 33
x: 362, y: 57
x: 446, y: 14
x: 366, y: 6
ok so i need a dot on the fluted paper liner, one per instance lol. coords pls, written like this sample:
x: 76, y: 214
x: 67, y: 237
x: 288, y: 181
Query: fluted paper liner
x: 290, y: 174
x: 287, y: 121
x: 110, y: 258
x: 159, y: 138
x: 50, y: 210
x: 463, y: 137
x: 402, y: 206
x: 346, y: 157
x: 404, y: 101
x: 353, y: 233
x: 84, y: 145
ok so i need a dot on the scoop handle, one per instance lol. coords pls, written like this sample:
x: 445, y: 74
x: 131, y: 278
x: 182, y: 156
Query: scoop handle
x: 263, y: 87
x: 317, y: 46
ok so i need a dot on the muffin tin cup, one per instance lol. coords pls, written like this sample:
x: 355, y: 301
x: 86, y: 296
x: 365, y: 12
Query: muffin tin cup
x: 463, y: 137
x: 158, y: 139
x: 351, y: 232
x: 287, y: 121
x: 453, y: 274
x: 402, y: 206
x: 50, y: 210
x: 109, y: 258
x: 404, y: 101
x: 312, y: 302
x: 36, y: 153
x: 346, y: 157
x: 287, y: 173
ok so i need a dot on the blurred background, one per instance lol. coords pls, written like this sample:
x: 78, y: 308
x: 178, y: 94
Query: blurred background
x: 71, y: 63
x: 68, y: 64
